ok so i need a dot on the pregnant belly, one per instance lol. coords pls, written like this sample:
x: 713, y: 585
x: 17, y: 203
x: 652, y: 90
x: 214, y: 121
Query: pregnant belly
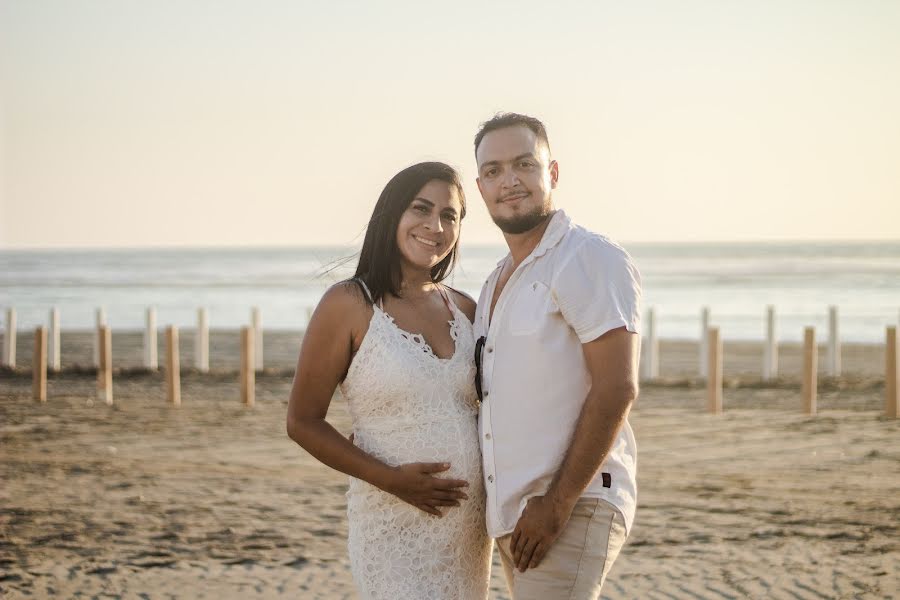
x: 453, y: 441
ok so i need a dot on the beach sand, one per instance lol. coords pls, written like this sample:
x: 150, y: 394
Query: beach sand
x: 212, y: 500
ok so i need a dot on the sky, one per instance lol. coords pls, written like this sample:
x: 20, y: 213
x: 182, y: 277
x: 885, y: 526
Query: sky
x: 149, y: 124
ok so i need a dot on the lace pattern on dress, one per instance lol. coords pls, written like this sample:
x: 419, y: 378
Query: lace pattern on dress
x: 418, y: 340
x: 409, y: 405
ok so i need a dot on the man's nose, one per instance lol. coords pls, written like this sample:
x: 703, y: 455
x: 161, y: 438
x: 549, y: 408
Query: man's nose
x: 510, y: 179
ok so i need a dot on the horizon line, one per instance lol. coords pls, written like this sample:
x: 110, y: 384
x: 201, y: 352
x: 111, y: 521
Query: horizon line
x: 176, y: 247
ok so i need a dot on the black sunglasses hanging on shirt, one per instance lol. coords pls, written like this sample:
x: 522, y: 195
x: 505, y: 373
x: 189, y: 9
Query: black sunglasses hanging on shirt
x: 479, y: 346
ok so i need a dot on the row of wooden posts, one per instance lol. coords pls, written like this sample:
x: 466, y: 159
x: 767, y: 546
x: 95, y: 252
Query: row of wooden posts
x: 650, y: 349
x: 711, y: 361
x: 808, y: 392
x: 151, y: 361
x: 172, y: 366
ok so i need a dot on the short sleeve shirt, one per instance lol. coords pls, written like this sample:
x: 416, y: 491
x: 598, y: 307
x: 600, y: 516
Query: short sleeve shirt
x: 574, y: 287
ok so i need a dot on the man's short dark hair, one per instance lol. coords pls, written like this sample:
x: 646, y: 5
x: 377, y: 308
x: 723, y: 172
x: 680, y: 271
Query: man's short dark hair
x: 509, y: 119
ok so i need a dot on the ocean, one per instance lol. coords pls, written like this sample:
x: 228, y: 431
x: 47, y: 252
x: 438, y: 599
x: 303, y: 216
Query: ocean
x: 735, y: 280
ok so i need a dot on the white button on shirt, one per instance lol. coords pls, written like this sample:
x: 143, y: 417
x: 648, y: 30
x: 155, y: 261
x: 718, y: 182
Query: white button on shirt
x: 574, y: 287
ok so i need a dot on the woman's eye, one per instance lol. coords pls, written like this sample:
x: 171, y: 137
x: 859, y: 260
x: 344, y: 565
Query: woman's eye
x: 421, y: 208
x: 450, y: 218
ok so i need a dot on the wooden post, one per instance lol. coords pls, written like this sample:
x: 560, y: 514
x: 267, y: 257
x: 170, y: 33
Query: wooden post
x: 201, y: 341
x: 704, y: 340
x: 39, y: 366
x: 834, y: 343
x: 151, y: 358
x: 256, y: 322
x: 104, y: 368
x: 770, y: 350
x: 714, y: 371
x: 101, y: 321
x: 810, y: 370
x: 248, y: 374
x: 53, y: 346
x: 651, y: 351
x: 9, y: 339
x: 173, y: 366
x: 892, y: 367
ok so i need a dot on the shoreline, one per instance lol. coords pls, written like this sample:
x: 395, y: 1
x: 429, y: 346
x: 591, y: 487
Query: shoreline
x: 678, y: 359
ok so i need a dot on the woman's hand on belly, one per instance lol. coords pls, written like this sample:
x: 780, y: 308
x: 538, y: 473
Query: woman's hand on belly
x: 415, y: 484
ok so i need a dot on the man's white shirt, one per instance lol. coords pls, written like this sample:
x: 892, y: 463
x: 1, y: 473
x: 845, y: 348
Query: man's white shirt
x: 574, y: 287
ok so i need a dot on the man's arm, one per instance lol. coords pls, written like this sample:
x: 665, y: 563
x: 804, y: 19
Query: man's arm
x: 612, y: 361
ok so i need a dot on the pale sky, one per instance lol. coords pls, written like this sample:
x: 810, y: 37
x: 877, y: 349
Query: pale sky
x: 134, y: 123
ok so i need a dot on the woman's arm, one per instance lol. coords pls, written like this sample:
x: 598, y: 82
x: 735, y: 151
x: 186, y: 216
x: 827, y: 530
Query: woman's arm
x: 336, y: 327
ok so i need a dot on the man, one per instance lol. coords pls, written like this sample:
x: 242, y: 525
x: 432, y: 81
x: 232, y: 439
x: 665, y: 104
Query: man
x: 558, y: 328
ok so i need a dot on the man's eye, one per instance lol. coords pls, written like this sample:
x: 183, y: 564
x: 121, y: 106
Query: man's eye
x: 526, y: 164
x: 491, y: 172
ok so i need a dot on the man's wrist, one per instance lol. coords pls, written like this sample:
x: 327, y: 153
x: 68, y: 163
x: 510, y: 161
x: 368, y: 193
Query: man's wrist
x: 562, y: 502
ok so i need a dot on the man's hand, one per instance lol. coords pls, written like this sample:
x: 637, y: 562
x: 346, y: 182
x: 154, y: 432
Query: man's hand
x: 540, y: 524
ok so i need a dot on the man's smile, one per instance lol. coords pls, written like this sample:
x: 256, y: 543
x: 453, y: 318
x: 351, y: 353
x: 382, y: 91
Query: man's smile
x: 513, y: 197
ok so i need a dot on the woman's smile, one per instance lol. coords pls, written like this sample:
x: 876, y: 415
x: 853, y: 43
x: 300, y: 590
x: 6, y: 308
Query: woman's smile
x: 425, y: 241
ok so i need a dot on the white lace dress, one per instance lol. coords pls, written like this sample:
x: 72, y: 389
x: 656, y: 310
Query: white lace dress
x: 408, y: 405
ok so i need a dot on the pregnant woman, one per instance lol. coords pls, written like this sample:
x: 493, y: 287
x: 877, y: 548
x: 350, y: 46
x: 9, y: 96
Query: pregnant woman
x: 400, y: 345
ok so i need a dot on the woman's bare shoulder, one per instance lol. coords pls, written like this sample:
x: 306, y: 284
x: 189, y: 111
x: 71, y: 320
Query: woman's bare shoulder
x: 343, y: 302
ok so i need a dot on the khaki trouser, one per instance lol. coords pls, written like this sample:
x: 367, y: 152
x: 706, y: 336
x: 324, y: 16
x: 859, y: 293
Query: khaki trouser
x: 577, y: 563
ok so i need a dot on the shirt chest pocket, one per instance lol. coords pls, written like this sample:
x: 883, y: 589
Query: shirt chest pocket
x: 530, y: 309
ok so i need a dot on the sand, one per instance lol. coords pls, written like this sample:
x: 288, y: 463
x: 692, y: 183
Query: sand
x: 212, y: 500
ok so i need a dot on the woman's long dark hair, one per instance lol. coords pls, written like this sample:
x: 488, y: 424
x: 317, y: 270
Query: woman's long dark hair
x: 379, y: 259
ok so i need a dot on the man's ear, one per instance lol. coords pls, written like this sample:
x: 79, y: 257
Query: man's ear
x: 478, y: 183
x: 554, y: 174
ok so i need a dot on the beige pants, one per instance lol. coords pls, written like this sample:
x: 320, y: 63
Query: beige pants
x: 577, y: 564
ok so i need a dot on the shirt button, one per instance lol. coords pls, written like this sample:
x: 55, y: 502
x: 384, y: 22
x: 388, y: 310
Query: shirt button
x: 487, y: 436
x: 491, y: 478
x: 490, y: 350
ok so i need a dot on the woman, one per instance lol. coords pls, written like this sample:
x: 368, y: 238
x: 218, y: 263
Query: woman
x: 400, y: 345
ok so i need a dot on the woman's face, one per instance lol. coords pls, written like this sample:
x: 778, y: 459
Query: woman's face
x: 429, y: 227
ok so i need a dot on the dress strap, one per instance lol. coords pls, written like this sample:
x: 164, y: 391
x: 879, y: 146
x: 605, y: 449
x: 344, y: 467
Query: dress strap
x: 365, y: 289
x: 451, y: 305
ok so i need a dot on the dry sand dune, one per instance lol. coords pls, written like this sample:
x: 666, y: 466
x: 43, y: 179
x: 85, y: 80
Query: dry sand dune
x: 211, y: 500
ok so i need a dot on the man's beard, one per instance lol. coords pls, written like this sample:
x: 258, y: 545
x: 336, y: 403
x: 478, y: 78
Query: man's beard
x: 524, y: 222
